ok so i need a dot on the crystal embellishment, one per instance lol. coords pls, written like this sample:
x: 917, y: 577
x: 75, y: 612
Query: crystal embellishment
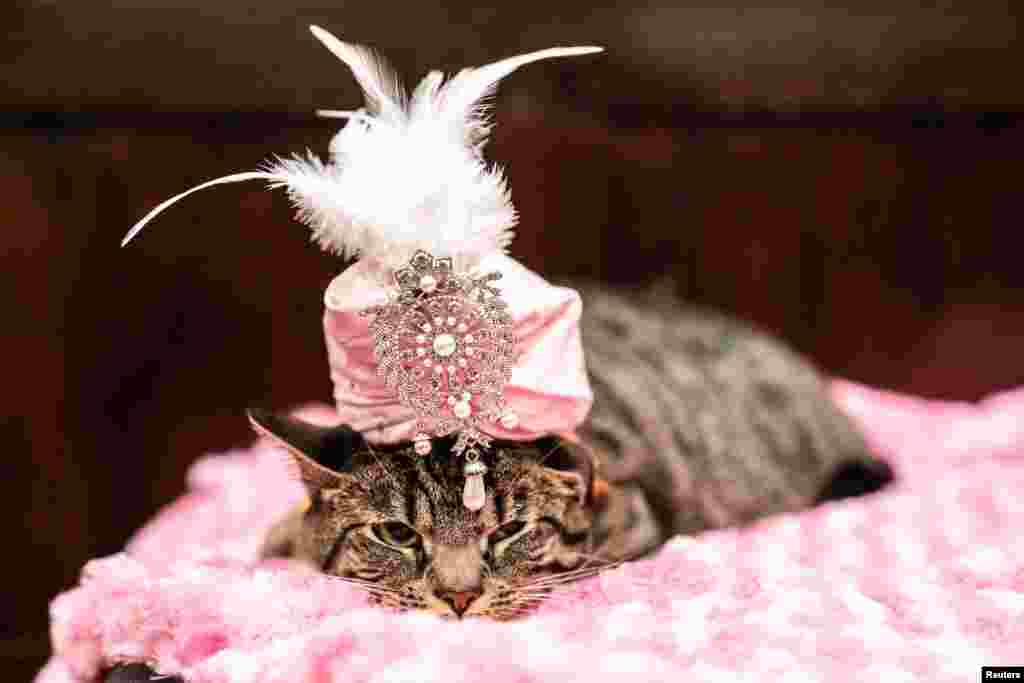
x: 474, y: 495
x: 445, y: 345
x: 417, y: 328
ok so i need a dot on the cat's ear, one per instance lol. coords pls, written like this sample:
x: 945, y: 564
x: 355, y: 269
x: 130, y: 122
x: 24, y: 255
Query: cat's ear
x: 576, y: 464
x: 320, y: 455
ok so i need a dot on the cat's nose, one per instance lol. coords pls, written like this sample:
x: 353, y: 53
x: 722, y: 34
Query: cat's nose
x: 461, y: 600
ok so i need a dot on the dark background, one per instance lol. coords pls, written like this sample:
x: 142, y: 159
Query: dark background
x: 848, y: 178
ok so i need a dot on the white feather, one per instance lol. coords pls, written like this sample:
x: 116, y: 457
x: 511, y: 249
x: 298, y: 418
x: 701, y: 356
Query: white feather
x: 233, y: 178
x: 385, y: 97
x: 461, y: 101
x: 404, y: 174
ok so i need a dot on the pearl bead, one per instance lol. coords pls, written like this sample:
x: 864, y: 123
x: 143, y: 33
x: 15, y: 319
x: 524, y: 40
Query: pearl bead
x: 421, y: 444
x: 462, y: 362
x: 428, y: 283
x: 450, y: 321
x: 462, y: 410
x: 426, y: 327
x: 438, y: 321
x: 469, y: 339
x: 428, y: 362
x: 462, y: 327
x: 444, y: 345
x: 452, y: 401
x: 438, y: 369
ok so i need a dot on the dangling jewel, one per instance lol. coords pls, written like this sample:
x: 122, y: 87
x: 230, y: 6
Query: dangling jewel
x: 473, y: 495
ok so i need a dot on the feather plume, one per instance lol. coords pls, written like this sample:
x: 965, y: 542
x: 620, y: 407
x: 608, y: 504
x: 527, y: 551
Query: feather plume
x: 385, y: 97
x: 462, y: 102
x: 403, y: 173
x: 233, y: 178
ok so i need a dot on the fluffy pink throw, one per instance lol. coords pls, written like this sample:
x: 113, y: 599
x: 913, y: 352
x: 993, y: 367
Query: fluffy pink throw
x: 922, y: 582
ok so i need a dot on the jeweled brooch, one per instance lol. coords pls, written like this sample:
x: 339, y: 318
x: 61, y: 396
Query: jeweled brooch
x: 444, y: 342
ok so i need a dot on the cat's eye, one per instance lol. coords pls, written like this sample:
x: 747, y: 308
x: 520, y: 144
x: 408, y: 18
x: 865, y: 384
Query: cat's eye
x: 396, y: 534
x: 507, y: 531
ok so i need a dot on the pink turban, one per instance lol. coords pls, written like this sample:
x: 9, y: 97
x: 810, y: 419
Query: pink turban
x: 548, y: 390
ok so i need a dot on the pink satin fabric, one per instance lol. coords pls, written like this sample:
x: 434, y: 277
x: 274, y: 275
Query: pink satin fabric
x: 548, y: 391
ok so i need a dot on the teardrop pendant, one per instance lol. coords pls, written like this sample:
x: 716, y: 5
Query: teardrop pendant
x: 474, y: 494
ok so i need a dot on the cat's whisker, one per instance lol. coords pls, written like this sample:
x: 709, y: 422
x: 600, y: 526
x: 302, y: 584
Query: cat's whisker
x: 367, y: 587
x: 560, y: 584
x: 606, y: 567
x: 598, y: 562
x: 622, y: 560
x: 590, y: 561
x: 582, y: 571
x: 565, y: 578
x: 370, y: 589
x: 531, y: 594
x: 360, y: 582
x: 598, y: 558
x: 634, y: 585
x: 375, y: 594
x: 588, y: 568
x: 536, y: 600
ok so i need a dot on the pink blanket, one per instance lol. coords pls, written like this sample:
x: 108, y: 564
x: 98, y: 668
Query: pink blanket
x: 922, y: 582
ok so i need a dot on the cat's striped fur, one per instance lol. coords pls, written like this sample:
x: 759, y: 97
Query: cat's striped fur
x: 704, y: 422
x: 699, y: 422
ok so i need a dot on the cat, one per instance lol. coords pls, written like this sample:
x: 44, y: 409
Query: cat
x: 699, y: 422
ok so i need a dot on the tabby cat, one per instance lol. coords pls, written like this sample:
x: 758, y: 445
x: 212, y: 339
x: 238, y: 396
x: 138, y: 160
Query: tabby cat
x: 699, y: 422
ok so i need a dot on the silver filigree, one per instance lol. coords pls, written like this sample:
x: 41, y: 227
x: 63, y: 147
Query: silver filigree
x: 444, y: 342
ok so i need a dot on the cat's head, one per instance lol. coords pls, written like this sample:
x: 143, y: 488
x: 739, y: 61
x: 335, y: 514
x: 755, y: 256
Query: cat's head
x: 395, y: 521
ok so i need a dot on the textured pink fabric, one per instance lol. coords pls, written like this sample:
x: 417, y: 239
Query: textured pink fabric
x: 923, y: 582
x: 549, y: 390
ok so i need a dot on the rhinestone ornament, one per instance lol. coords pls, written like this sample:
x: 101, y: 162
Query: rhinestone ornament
x: 430, y: 320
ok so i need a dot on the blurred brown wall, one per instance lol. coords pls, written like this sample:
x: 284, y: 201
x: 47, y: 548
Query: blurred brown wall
x: 872, y: 221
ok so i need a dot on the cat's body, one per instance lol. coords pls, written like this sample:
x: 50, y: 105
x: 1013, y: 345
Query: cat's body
x: 706, y: 422
x: 699, y: 422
